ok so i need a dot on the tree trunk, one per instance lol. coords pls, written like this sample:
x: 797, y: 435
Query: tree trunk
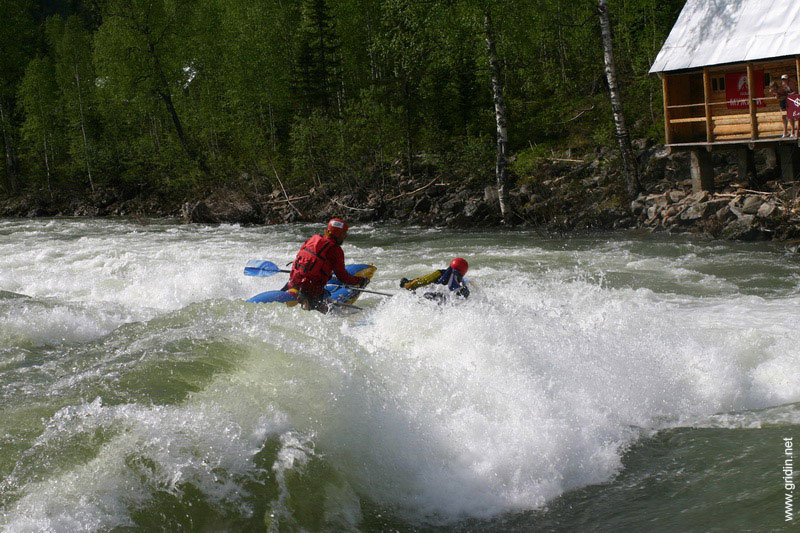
x: 623, y: 138
x: 83, y: 128
x: 166, y: 96
x: 501, y: 167
x: 12, y: 183
x: 47, y: 166
x: 408, y: 124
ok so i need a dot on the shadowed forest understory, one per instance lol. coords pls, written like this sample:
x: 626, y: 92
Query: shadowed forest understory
x: 271, y: 112
x: 170, y: 100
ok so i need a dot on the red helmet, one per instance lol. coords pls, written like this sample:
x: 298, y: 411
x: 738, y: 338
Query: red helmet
x: 337, y: 228
x: 460, y: 265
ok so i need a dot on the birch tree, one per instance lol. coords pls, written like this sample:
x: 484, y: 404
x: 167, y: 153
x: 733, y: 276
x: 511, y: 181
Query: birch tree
x: 623, y: 138
x: 501, y: 120
x: 75, y: 74
x: 38, y: 97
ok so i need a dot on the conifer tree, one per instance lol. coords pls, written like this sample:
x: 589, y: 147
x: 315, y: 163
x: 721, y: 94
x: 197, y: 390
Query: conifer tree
x: 317, y: 77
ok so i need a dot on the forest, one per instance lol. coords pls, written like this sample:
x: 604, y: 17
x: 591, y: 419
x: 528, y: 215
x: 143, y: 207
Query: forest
x: 169, y: 97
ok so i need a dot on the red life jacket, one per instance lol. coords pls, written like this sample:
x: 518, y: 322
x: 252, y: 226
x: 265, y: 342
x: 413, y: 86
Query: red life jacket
x: 312, y: 266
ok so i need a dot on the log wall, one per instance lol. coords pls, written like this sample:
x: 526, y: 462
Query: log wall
x: 696, y: 108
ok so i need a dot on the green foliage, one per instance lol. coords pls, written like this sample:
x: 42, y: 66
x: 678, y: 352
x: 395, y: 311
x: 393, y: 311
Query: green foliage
x: 528, y: 162
x: 38, y: 98
x: 472, y: 157
x: 371, y: 133
x: 17, y: 43
x: 162, y: 96
x: 316, y: 147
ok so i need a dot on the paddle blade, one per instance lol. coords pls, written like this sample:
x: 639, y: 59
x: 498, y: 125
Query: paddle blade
x: 261, y: 269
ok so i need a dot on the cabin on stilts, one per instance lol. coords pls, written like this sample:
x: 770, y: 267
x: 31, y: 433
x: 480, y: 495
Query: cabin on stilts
x: 715, y: 54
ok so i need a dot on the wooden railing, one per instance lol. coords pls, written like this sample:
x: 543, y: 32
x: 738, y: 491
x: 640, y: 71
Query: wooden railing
x: 730, y: 127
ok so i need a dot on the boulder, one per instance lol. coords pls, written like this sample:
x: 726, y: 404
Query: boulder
x: 699, y: 196
x: 741, y: 229
x: 766, y: 209
x: 751, y: 205
x: 476, y: 210
x: 724, y: 213
x: 453, y: 205
x: 423, y: 205
x: 222, y: 206
x: 637, y: 207
x: 694, y: 212
x: 676, y: 195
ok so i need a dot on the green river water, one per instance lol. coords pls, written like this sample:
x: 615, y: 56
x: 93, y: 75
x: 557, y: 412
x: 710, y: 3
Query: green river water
x: 605, y: 382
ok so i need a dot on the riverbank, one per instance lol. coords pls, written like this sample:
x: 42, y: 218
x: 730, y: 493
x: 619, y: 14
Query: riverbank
x: 565, y: 193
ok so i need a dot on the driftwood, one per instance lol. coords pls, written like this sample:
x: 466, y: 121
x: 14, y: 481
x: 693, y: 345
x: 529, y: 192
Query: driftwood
x: 563, y: 160
x: 287, y: 200
x: 284, y: 192
x: 412, y: 192
x: 748, y: 191
x: 740, y: 192
x: 353, y: 208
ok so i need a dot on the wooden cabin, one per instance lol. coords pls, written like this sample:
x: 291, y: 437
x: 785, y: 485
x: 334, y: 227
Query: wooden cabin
x: 716, y: 52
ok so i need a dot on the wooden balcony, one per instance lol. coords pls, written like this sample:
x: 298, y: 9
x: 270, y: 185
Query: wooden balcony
x: 701, y: 114
x: 698, y: 113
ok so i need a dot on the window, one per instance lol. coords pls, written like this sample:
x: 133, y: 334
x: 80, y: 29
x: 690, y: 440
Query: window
x: 718, y: 83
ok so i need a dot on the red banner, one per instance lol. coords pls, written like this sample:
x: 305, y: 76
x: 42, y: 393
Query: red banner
x: 793, y: 106
x: 737, y: 93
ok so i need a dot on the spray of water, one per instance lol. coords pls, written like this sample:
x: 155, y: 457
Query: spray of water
x: 566, y: 355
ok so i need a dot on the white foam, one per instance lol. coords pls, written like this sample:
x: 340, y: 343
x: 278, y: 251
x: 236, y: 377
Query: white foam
x: 154, y: 449
x: 538, y: 387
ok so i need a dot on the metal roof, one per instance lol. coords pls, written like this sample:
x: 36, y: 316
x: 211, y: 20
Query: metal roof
x: 713, y: 32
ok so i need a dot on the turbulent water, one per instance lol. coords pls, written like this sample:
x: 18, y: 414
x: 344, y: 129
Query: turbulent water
x: 603, y: 383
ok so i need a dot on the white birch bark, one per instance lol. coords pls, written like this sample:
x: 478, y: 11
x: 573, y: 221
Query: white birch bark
x: 501, y: 166
x: 623, y: 138
x: 83, y: 128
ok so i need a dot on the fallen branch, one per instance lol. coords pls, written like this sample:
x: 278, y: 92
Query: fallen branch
x: 287, y: 200
x: 563, y: 160
x: 353, y: 208
x: 284, y: 192
x: 740, y: 192
x: 576, y: 117
x: 414, y: 191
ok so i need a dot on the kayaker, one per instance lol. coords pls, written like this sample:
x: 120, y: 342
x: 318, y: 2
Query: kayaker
x: 452, y: 277
x: 319, y: 258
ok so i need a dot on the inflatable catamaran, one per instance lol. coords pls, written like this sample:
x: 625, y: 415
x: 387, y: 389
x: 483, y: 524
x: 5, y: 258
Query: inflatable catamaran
x: 339, y: 293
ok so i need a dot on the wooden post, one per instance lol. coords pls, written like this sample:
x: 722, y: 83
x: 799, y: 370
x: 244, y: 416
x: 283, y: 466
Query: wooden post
x: 706, y: 100
x: 751, y: 102
x: 770, y: 157
x: 790, y: 161
x: 746, y: 166
x: 667, y: 126
x: 702, y: 171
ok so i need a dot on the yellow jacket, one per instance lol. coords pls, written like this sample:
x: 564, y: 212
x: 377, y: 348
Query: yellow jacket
x: 427, y: 279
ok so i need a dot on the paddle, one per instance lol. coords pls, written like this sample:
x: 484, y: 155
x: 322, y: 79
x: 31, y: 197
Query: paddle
x: 262, y: 269
x: 265, y: 269
x: 369, y: 291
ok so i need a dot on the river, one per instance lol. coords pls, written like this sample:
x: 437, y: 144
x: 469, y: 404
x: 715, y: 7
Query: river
x: 603, y: 382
